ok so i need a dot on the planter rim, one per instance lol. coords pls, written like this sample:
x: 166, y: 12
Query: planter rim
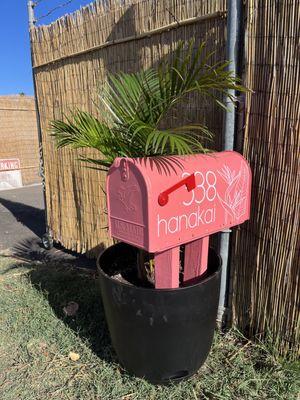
x: 127, y: 285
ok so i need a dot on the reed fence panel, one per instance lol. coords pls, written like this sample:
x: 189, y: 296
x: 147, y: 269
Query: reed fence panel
x: 18, y: 135
x: 71, y: 59
x: 265, y: 253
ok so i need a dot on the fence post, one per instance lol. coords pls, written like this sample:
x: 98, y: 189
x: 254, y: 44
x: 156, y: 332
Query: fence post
x: 233, y: 32
x: 32, y: 21
x: 31, y: 17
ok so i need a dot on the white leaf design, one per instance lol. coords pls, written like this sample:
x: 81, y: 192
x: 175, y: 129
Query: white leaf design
x: 235, y: 197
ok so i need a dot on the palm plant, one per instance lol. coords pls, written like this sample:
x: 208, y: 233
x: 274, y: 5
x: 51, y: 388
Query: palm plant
x: 133, y: 106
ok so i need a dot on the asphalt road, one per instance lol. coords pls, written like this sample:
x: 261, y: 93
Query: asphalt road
x: 22, y: 216
x: 22, y: 224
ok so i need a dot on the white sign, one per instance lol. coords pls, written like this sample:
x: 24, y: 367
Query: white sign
x: 10, y: 174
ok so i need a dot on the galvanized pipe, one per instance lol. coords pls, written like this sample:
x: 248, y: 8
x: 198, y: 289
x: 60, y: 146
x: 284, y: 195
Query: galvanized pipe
x: 233, y: 31
x: 31, y: 18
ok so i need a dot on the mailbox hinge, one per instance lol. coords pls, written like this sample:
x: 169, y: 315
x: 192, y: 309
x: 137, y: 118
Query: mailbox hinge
x: 124, y: 170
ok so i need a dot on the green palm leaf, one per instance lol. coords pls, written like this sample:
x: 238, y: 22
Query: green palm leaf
x: 132, y: 107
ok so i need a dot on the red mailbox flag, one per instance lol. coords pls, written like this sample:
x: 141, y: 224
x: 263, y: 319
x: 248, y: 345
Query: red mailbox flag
x: 160, y: 203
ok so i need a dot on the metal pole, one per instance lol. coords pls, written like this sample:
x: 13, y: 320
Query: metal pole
x: 31, y: 18
x: 233, y: 31
x: 32, y: 21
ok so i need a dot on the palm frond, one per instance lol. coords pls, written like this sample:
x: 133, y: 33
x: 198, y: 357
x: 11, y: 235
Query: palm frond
x: 133, y: 105
x: 98, y: 164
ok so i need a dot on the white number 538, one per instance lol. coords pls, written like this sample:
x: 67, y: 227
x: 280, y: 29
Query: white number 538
x: 205, y: 187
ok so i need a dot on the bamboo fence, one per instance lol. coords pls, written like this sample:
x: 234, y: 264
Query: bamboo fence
x: 18, y: 135
x: 265, y: 253
x: 71, y: 59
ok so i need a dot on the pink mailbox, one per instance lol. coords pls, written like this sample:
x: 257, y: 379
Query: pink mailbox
x: 160, y: 203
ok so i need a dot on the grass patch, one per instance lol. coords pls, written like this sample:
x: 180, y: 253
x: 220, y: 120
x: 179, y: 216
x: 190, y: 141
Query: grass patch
x: 36, y: 337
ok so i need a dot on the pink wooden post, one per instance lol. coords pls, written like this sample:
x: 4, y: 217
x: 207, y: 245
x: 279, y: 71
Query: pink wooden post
x: 167, y: 269
x: 167, y: 262
x: 195, y: 259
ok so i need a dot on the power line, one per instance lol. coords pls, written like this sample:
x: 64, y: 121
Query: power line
x: 53, y: 9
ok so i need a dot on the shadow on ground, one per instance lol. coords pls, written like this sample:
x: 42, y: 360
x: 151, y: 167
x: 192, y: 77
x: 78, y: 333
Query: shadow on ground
x: 33, y: 250
x: 29, y: 247
x: 32, y: 217
x: 64, y: 284
x: 63, y: 276
x: 60, y: 275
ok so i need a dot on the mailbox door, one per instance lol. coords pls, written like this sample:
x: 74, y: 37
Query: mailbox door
x: 127, y: 202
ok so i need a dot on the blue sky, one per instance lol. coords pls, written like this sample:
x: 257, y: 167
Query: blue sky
x: 15, y: 63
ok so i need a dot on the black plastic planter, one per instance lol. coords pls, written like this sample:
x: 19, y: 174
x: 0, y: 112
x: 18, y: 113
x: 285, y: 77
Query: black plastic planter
x: 162, y: 335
